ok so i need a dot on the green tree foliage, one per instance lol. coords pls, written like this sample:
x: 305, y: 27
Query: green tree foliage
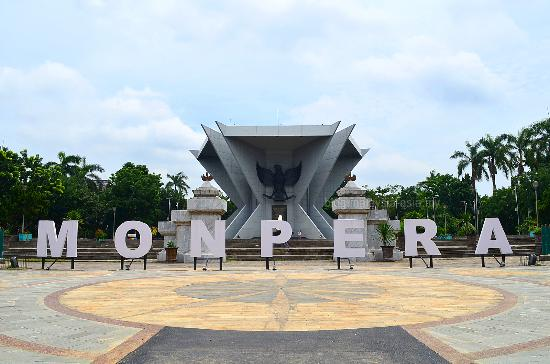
x: 526, y: 194
x: 518, y: 148
x: 176, y: 189
x: 538, y: 154
x: 450, y: 192
x: 495, y: 156
x: 231, y: 207
x: 135, y: 193
x: 10, y: 176
x: 502, y: 205
x: 32, y: 193
x: 471, y: 158
x: 71, y: 188
x: 526, y: 157
x: 82, y: 195
x: 442, y: 196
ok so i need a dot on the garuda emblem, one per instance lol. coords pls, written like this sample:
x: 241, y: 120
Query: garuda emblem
x: 278, y: 180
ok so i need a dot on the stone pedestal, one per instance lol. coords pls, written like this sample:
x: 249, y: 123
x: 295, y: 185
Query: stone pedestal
x: 168, y: 230
x: 206, y: 205
x: 352, y: 204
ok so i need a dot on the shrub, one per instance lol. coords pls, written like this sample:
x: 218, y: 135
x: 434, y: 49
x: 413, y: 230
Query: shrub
x: 100, y: 234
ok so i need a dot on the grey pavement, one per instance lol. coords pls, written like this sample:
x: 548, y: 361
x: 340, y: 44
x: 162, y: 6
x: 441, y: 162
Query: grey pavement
x: 378, y: 345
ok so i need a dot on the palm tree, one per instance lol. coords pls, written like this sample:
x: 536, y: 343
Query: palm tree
x: 518, y: 147
x: 89, y: 171
x: 178, y: 183
x: 495, y: 156
x: 540, y: 139
x: 471, y: 157
x: 68, y: 163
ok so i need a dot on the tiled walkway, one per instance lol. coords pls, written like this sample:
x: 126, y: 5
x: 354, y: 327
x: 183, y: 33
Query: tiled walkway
x: 98, y: 313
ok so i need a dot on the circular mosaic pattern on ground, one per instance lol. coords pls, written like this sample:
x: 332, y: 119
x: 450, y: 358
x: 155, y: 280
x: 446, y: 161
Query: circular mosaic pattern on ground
x: 288, y: 301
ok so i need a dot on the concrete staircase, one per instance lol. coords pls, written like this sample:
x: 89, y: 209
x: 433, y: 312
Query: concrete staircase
x: 298, y: 249
x: 88, y: 249
x: 465, y: 247
x: 249, y: 249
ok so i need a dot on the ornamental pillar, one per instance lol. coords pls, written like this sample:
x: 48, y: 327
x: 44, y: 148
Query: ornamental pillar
x: 206, y: 205
x: 352, y: 204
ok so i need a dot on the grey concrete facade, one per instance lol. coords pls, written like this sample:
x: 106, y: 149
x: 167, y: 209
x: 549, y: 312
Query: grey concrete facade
x: 326, y: 154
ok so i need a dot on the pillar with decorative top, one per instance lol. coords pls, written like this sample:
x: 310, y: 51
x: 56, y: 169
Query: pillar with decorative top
x: 352, y: 204
x: 206, y: 205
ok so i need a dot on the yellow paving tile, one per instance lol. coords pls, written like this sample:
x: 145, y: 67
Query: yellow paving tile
x: 286, y: 301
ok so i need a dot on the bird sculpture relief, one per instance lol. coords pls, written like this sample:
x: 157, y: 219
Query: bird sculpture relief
x: 278, y: 180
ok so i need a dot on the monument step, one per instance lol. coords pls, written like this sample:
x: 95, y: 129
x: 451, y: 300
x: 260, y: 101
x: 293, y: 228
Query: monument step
x: 246, y: 249
x: 246, y: 243
x: 82, y: 243
x: 279, y: 257
x: 282, y: 251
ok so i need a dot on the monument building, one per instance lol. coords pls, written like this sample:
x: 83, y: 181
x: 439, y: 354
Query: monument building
x: 279, y: 172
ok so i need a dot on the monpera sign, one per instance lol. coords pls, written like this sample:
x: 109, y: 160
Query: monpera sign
x: 68, y: 233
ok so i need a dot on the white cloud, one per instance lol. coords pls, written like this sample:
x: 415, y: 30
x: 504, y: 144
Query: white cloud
x: 418, y: 78
x: 55, y: 103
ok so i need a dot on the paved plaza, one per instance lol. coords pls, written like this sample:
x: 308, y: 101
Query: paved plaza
x: 303, y: 312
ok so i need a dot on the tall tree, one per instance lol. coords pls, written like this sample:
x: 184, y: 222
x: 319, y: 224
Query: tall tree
x: 10, y: 172
x: 451, y: 191
x: 539, y: 154
x: 89, y: 172
x: 135, y: 193
x: 178, y: 183
x: 518, y: 147
x: 495, y: 156
x: 38, y: 188
x: 68, y: 164
x: 82, y: 195
x: 473, y: 158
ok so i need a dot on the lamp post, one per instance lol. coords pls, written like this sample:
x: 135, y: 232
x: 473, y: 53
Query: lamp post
x: 476, y: 213
x: 536, y: 186
x: 169, y: 209
x: 114, y: 221
x: 426, y: 200
x: 433, y: 204
x: 517, y: 205
x: 465, y: 206
x: 396, y: 213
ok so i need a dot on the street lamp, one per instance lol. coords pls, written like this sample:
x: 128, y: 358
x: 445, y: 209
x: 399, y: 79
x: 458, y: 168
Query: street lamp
x: 426, y: 200
x: 517, y: 205
x: 536, y: 186
x: 433, y: 204
x: 396, y: 213
x: 114, y: 221
x: 465, y: 206
x: 476, y: 213
x: 169, y: 209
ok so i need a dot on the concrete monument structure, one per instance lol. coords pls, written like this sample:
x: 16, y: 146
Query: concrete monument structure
x: 206, y: 205
x: 286, y: 172
x: 352, y: 204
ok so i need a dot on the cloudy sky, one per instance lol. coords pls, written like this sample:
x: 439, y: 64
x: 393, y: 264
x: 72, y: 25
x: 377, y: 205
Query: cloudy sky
x: 121, y: 81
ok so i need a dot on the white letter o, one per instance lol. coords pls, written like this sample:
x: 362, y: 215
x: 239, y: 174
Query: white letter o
x: 145, y: 239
